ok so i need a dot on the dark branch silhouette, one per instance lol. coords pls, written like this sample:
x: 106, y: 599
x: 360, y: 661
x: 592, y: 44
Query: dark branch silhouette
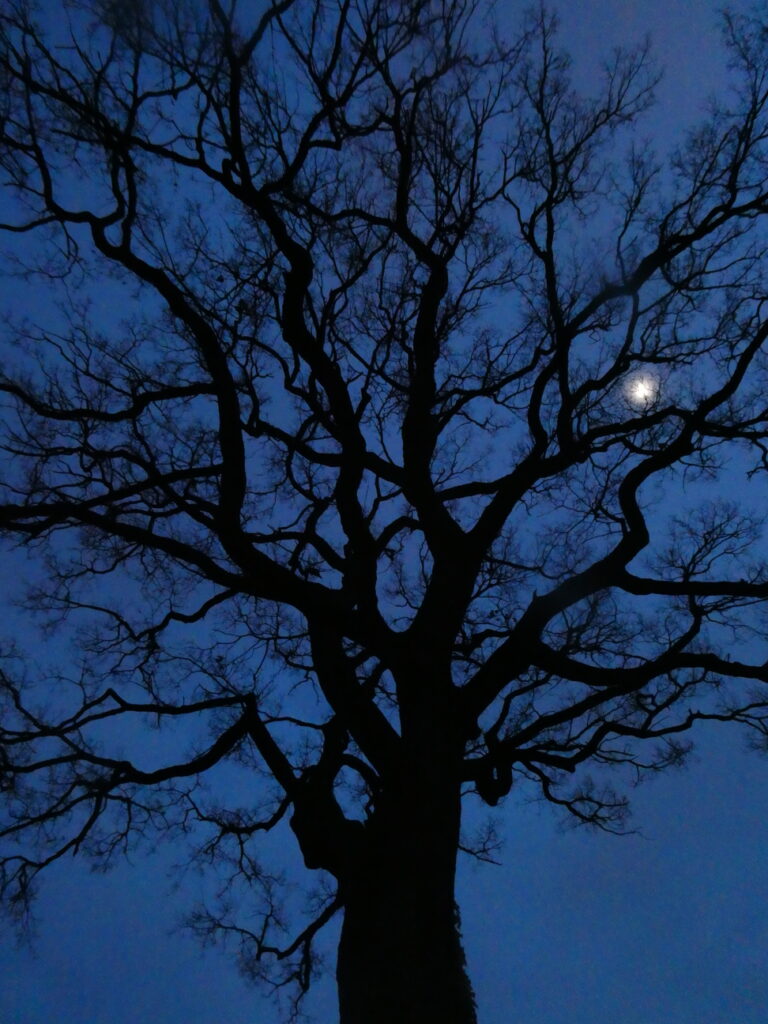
x: 380, y: 358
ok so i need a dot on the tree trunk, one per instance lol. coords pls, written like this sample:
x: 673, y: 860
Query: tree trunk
x: 400, y: 957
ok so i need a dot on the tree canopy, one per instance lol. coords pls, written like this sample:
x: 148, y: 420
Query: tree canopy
x: 369, y: 351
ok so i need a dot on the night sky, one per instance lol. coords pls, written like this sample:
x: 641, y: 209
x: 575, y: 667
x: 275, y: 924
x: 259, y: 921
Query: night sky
x: 664, y: 926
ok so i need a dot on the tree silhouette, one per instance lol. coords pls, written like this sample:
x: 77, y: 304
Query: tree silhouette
x: 376, y: 350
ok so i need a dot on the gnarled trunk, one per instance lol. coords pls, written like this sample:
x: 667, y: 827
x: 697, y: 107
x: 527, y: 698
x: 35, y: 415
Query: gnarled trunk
x: 400, y: 957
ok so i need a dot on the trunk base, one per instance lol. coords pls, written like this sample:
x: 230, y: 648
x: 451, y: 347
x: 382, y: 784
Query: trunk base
x: 401, y: 960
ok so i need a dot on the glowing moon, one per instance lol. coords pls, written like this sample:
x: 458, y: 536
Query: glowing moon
x: 642, y: 390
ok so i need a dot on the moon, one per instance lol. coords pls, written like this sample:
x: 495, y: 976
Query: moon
x: 642, y: 390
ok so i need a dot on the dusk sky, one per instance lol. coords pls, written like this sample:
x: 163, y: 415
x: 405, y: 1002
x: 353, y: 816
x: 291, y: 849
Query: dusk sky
x: 668, y: 925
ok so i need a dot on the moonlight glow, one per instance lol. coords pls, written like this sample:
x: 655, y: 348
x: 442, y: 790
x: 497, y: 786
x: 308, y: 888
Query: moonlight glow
x: 642, y: 389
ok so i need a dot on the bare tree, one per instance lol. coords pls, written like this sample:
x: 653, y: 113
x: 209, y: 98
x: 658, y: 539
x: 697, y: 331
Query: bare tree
x: 376, y: 347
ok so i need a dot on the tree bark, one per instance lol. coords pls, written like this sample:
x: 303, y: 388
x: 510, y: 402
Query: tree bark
x: 400, y: 958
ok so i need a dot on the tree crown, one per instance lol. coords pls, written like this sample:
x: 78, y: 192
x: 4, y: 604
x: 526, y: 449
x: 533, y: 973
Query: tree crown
x: 400, y: 341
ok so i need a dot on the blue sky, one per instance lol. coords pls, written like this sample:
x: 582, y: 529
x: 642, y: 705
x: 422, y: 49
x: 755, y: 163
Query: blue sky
x: 668, y: 926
